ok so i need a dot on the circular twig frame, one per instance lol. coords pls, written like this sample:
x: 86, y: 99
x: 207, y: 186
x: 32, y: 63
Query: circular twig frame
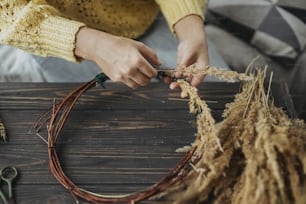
x: 60, y: 113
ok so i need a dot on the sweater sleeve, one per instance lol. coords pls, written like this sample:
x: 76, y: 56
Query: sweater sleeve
x: 38, y: 28
x: 175, y: 10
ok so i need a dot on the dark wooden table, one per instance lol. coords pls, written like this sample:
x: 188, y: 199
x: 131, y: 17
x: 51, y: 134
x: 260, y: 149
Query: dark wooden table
x: 116, y: 140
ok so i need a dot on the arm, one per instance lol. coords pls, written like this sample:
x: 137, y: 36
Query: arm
x: 193, y: 47
x: 185, y: 19
x: 38, y: 28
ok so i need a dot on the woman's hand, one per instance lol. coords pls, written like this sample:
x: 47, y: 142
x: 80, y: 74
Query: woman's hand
x: 192, y: 49
x: 121, y: 59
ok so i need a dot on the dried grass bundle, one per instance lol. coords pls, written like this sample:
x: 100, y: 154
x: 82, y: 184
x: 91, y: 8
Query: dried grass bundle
x: 2, y: 131
x: 255, y: 155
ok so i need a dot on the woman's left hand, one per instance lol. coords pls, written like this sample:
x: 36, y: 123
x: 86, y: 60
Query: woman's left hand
x: 192, y: 49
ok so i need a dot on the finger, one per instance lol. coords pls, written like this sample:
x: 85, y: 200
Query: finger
x: 178, y: 74
x: 140, y: 78
x: 146, y: 68
x: 131, y: 83
x: 184, y: 94
x: 197, y: 79
x: 174, y: 85
x: 181, y: 50
x: 166, y: 79
x: 149, y: 54
x: 186, y: 57
x: 136, y: 76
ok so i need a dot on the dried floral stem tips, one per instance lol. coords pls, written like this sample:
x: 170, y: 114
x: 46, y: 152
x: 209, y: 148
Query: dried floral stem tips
x: 2, y: 131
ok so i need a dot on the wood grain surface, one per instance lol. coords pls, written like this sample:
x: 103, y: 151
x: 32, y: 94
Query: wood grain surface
x: 116, y: 140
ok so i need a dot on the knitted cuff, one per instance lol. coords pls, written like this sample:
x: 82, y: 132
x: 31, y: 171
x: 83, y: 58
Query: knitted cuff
x: 175, y: 10
x: 57, y: 37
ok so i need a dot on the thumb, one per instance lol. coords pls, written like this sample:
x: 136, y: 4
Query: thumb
x: 149, y: 54
x: 181, y: 57
x: 197, y: 79
x: 185, y: 55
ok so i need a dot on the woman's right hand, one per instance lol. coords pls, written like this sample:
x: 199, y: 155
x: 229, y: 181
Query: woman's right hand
x: 121, y: 59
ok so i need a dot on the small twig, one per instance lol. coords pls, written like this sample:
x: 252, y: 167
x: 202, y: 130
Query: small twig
x: 186, y: 99
x: 178, y: 99
x: 42, y: 138
x: 269, y: 87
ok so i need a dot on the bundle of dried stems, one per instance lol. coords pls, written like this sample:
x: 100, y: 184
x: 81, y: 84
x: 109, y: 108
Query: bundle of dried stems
x: 255, y: 155
x: 262, y: 158
x: 2, y: 131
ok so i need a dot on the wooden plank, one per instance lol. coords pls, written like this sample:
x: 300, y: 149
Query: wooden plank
x: 40, y: 96
x: 35, y: 194
x: 56, y: 194
x: 116, y: 140
x: 142, y: 139
x: 109, y: 127
x: 93, y: 164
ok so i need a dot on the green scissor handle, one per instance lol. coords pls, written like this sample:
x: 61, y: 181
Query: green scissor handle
x: 8, y: 174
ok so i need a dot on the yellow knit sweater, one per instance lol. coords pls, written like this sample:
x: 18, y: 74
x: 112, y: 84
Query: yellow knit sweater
x: 49, y: 27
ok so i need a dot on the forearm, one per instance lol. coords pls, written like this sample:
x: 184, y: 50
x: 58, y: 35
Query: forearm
x: 176, y: 10
x: 86, y: 42
x: 20, y: 20
x: 83, y: 44
x: 191, y: 25
x: 38, y: 28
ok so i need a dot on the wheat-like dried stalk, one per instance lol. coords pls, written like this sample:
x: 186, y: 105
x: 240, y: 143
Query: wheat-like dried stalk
x: 2, y: 131
x: 263, y: 152
x: 223, y: 74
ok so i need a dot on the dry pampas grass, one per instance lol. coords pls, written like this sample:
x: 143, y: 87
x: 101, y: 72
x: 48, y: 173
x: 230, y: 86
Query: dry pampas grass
x: 257, y: 154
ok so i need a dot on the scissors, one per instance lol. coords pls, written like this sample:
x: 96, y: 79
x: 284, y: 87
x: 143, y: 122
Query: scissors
x: 8, y: 174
